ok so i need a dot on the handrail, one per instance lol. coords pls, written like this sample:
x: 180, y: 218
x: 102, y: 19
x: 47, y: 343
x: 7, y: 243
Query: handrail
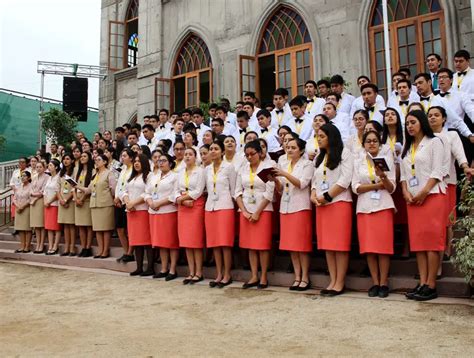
x: 5, y: 191
x: 5, y: 207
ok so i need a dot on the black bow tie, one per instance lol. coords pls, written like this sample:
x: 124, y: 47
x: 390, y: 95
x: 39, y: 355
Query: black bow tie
x: 263, y: 130
x: 310, y: 100
x: 443, y: 94
x: 198, y: 126
x: 243, y: 130
x: 396, y: 93
x: 179, y: 137
x: 162, y: 126
x: 401, y: 103
x: 370, y: 109
x: 424, y: 98
x: 149, y: 142
x: 278, y: 111
x: 462, y: 73
x: 298, y: 120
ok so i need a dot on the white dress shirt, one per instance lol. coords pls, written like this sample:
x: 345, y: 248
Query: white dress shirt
x: 196, y: 184
x: 427, y: 165
x: 160, y: 187
x: 343, y: 123
x: 252, y: 195
x: 200, y: 132
x: 162, y: 131
x: 220, y: 187
x: 370, y: 202
x: 464, y: 83
x: 375, y: 115
x: 271, y: 136
x: 461, y: 104
x: 281, y: 119
x: 359, y: 104
x: 15, y: 180
x: 312, y: 147
x: 345, y: 103
x: 314, y: 106
x: 122, y: 181
x: 237, y: 161
x: 295, y: 199
x: 402, y: 109
x: 456, y: 154
x: 304, y: 129
x: 134, y: 190
x: 51, y: 189
x: 341, y: 175
x: 231, y: 118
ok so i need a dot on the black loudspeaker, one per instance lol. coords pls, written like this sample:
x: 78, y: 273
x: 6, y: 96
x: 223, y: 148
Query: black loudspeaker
x: 75, y: 97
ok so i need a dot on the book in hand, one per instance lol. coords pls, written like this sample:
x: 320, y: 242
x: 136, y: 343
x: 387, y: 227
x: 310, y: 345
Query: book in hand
x: 264, y: 173
x: 381, y: 162
x: 70, y: 180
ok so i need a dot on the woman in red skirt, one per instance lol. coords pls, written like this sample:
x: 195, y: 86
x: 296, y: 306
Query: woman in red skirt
x: 138, y: 224
x: 375, y: 212
x: 331, y: 194
x: 292, y: 181
x: 220, y: 214
x: 51, y: 203
x: 188, y: 194
x: 254, y: 198
x: 163, y: 216
x: 422, y: 173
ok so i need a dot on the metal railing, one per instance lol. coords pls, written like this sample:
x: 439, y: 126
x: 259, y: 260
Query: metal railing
x: 6, y: 172
x: 6, y: 198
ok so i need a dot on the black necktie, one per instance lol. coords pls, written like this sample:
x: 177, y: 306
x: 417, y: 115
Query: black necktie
x: 401, y: 103
x: 243, y: 130
x: 298, y: 120
x: 263, y: 130
x: 310, y: 100
x: 424, y: 98
x: 462, y: 73
x: 370, y: 109
x: 443, y: 94
x: 278, y: 111
x: 179, y: 137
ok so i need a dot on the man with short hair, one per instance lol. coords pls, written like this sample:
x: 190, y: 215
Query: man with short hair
x: 198, y: 121
x: 401, y: 102
x: 120, y: 135
x: 282, y: 112
x: 463, y: 79
x: 229, y: 128
x: 239, y: 106
x: 266, y: 131
x: 127, y: 127
x: 250, y: 97
x: 133, y: 139
x: 53, y: 149
x: 243, y: 127
x: 369, y: 95
x: 300, y: 123
x: 359, y: 101
x: 186, y: 114
x: 324, y: 87
x: 176, y: 134
x: 149, y: 133
x: 314, y: 105
x: 337, y: 86
x: 231, y: 117
x: 163, y: 126
x: 146, y: 119
x: 433, y: 62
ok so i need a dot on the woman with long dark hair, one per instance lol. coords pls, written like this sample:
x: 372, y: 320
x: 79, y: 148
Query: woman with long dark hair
x: 51, y: 224
x: 21, y: 199
x: 66, y: 205
x: 331, y: 194
x: 312, y: 146
x: 422, y: 173
x: 37, y: 206
x: 354, y: 143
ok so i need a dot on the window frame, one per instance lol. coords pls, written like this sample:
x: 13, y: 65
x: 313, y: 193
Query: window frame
x: 188, y: 75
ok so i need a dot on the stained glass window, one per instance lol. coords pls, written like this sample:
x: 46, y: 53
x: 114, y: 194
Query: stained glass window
x: 404, y: 9
x: 132, y: 50
x: 193, y: 56
x: 132, y: 33
x: 285, y: 28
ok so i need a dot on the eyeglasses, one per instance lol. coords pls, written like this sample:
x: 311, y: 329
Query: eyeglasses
x: 162, y: 161
x: 249, y: 155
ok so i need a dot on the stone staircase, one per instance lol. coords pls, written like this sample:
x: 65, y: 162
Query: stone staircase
x: 401, y: 271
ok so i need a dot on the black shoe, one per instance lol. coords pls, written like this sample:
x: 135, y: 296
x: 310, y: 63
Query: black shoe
x: 171, y: 276
x: 18, y: 251
x: 262, y: 286
x: 324, y: 292
x: 54, y: 252
x: 136, y: 273
x: 249, y: 285
x: 223, y: 284
x: 81, y: 254
x: 383, y: 291
x: 119, y: 260
x: 426, y: 294
x: 97, y: 257
x: 333, y: 293
x: 72, y: 254
x: 148, y: 273
x: 411, y: 293
x: 128, y: 258
x: 295, y: 287
x: 213, y: 284
x: 161, y: 274
x: 187, y: 281
x: 26, y: 251
x: 87, y: 253
x: 38, y: 252
x: 65, y: 253
x: 374, y: 291
x: 307, y: 286
x: 196, y: 280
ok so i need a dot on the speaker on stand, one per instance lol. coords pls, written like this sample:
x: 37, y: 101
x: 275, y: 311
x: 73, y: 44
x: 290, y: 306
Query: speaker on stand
x: 75, y: 97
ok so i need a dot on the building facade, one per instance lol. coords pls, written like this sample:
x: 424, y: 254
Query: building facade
x: 176, y: 53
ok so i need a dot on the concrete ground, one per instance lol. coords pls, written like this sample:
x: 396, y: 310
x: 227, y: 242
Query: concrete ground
x: 46, y: 311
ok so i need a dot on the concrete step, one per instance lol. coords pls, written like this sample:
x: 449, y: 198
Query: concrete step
x: 448, y: 286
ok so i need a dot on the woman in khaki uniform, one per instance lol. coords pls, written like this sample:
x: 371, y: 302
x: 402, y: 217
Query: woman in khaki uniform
x: 66, y: 205
x: 102, y: 189
x: 37, y: 206
x: 82, y: 211
x: 21, y: 200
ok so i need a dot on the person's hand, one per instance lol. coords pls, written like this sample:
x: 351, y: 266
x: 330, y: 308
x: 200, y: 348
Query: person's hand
x: 155, y: 205
x: 247, y: 215
x: 188, y: 203
x: 277, y: 172
x: 407, y: 196
x: 62, y: 202
x: 314, y: 198
x: 379, y: 172
x: 419, y: 198
x: 321, y: 200
x: 254, y: 217
x: 79, y: 202
x: 117, y: 203
x: 19, y: 208
x: 130, y: 206
x: 46, y: 204
x: 469, y: 172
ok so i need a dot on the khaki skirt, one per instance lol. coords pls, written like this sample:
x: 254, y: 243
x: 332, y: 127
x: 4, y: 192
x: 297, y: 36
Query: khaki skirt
x: 37, y: 214
x: 82, y: 214
x: 103, y: 219
x: 22, y: 220
x: 66, y: 215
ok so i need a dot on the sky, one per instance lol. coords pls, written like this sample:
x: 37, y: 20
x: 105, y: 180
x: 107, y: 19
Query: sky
x: 65, y: 31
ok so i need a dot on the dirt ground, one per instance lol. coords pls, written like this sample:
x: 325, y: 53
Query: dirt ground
x: 52, y: 312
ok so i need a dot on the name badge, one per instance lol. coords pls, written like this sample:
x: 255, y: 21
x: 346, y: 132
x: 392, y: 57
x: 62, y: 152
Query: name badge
x: 252, y: 200
x: 413, y: 182
x: 154, y: 196
x: 215, y: 196
x: 324, y: 186
x: 375, y: 195
x: 286, y: 197
x: 66, y: 191
x: 93, y: 194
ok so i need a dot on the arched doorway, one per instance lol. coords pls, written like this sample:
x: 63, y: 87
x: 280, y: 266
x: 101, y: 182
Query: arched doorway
x: 416, y: 29
x: 284, y: 56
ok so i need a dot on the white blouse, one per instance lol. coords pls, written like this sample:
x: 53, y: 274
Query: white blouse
x: 457, y: 154
x: 354, y: 145
x: 295, y: 199
x: 427, y: 165
x: 220, y: 188
x: 341, y: 175
x: 134, y: 190
x: 252, y: 195
x: 375, y: 200
x: 22, y: 194
x: 51, y: 189
x: 312, y: 147
x: 180, y: 166
x: 196, y: 181
x: 237, y: 161
x: 159, y: 187
x: 122, y: 181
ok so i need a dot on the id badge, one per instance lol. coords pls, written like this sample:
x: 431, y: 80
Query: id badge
x: 252, y: 200
x: 413, y: 182
x: 65, y: 191
x: 154, y: 196
x: 215, y: 196
x: 286, y: 197
x: 375, y: 195
x: 324, y: 186
x: 93, y: 194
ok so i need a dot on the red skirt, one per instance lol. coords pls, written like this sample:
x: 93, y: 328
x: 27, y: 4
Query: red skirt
x: 401, y: 206
x: 296, y: 231
x: 334, y: 226
x: 138, y: 227
x: 191, y: 225
x: 256, y: 236
x: 427, y: 224
x: 12, y: 210
x: 220, y: 228
x: 375, y: 232
x: 164, y: 230
x: 451, y: 203
x: 51, y: 218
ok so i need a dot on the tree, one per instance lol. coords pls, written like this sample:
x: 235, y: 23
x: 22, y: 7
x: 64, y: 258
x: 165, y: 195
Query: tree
x: 3, y: 140
x: 59, y: 126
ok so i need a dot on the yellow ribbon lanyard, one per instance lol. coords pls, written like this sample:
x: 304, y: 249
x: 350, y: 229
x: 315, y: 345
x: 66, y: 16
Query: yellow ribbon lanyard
x: 403, y: 107
x: 124, y: 178
x: 392, y: 143
x: 155, y: 191
x: 412, y: 157
x: 299, y: 127
x: 372, y: 113
x: 316, y: 145
x: 324, y: 169
x: 177, y: 163
x: 280, y: 118
x: 214, y: 178
x: 310, y: 105
x: 371, y: 172
x: 94, y: 182
x: 287, y: 185
x: 424, y: 107
x: 459, y: 81
x: 242, y: 135
x: 82, y: 178
x: 252, y: 181
x: 186, y: 179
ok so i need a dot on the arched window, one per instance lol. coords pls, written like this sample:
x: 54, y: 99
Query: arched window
x: 416, y: 29
x: 132, y: 33
x: 192, y: 75
x: 284, y: 56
